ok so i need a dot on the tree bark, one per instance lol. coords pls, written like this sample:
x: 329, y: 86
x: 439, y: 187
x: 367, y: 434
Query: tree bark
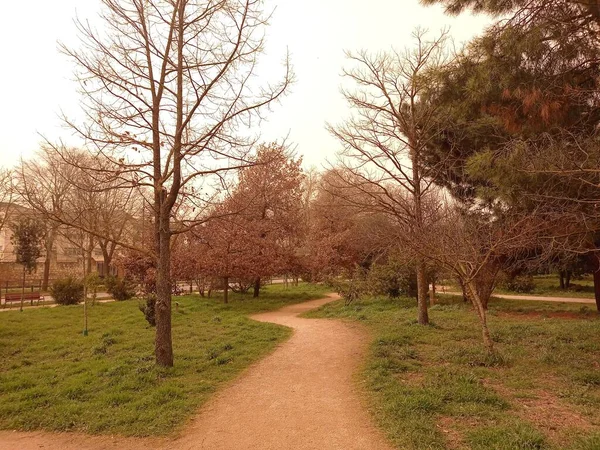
x: 432, y: 292
x: 423, y: 316
x: 477, y: 304
x: 163, y: 343
x: 594, y: 259
x: 568, y: 279
x: 256, y: 288
x: 89, y: 252
x: 561, y: 277
x: 597, y: 287
x: 485, y: 282
x: 47, y: 262
x: 22, y: 288
x: 107, y: 258
x: 226, y: 290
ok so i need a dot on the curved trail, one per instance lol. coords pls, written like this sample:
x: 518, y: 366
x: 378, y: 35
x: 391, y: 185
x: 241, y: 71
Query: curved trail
x: 302, y: 396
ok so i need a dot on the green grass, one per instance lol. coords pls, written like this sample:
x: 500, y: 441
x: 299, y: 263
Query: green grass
x: 53, y: 378
x: 548, y: 285
x: 434, y: 387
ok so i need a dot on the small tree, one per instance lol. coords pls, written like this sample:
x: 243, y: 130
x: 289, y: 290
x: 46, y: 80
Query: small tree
x: 27, y: 239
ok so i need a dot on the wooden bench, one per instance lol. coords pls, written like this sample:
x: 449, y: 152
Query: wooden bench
x: 16, y: 296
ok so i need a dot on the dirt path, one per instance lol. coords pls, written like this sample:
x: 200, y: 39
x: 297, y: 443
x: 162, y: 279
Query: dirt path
x: 302, y: 396
x: 539, y: 298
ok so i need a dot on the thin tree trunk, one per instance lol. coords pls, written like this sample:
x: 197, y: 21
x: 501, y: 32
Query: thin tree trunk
x: 256, y: 287
x: 107, y: 259
x: 163, y: 342
x: 432, y: 292
x: 597, y: 287
x: 423, y: 316
x: 485, y: 332
x: 47, y: 262
x: 561, y: 278
x: 226, y: 290
x: 22, y: 288
x: 568, y: 279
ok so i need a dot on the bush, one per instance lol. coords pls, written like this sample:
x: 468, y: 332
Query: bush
x: 148, y: 307
x: 523, y: 284
x: 67, y: 291
x: 392, y: 279
x: 120, y: 288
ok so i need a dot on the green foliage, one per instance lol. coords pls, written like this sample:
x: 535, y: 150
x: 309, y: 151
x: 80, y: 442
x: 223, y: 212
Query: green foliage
x: 521, y: 283
x: 52, y: 378
x: 27, y: 239
x: 148, y: 307
x: 67, y: 291
x: 393, y: 279
x: 120, y: 288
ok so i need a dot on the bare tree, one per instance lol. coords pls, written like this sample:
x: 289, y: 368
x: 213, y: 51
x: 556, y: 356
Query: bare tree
x: 385, y: 141
x: 7, y: 192
x: 167, y: 86
x: 465, y: 241
x: 44, y: 183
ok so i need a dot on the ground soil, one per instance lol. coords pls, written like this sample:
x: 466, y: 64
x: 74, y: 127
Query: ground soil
x: 547, y: 412
x: 302, y: 396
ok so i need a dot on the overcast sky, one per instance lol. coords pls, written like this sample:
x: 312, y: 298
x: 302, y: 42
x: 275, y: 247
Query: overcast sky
x: 36, y: 79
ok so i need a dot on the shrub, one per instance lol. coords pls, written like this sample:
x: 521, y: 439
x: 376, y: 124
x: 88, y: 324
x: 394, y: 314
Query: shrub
x: 120, y: 288
x: 67, y: 291
x: 148, y: 307
x: 522, y: 283
x: 392, y: 279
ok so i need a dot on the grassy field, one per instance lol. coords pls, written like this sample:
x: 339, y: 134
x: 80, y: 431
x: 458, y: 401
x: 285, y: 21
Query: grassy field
x: 548, y: 285
x: 434, y: 387
x: 53, y: 378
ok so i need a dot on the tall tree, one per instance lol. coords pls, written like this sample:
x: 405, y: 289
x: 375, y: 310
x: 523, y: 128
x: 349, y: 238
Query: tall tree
x: 166, y: 89
x: 530, y: 78
x: 384, y: 143
x: 44, y: 184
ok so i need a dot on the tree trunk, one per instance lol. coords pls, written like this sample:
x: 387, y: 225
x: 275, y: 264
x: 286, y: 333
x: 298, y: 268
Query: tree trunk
x: 432, y: 292
x: 568, y: 279
x: 163, y: 343
x: 464, y: 291
x: 107, y: 258
x: 477, y: 304
x: 485, y: 282
x: 89, y: 252
x: 597, y: 287
x: 49, y: 244
x: 256, y: 288
x: 561, y: 278
x: 22, y: 288
x: 423, y: 316
x: 226, y: 290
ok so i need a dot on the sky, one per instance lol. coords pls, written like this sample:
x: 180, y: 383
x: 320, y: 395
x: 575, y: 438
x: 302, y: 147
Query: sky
x: 36, y: 79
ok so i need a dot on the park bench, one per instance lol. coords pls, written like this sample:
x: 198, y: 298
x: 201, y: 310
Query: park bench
x: 16, y: 296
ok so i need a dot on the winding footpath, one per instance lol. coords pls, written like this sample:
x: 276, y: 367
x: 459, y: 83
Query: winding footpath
x: 302, y: 396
